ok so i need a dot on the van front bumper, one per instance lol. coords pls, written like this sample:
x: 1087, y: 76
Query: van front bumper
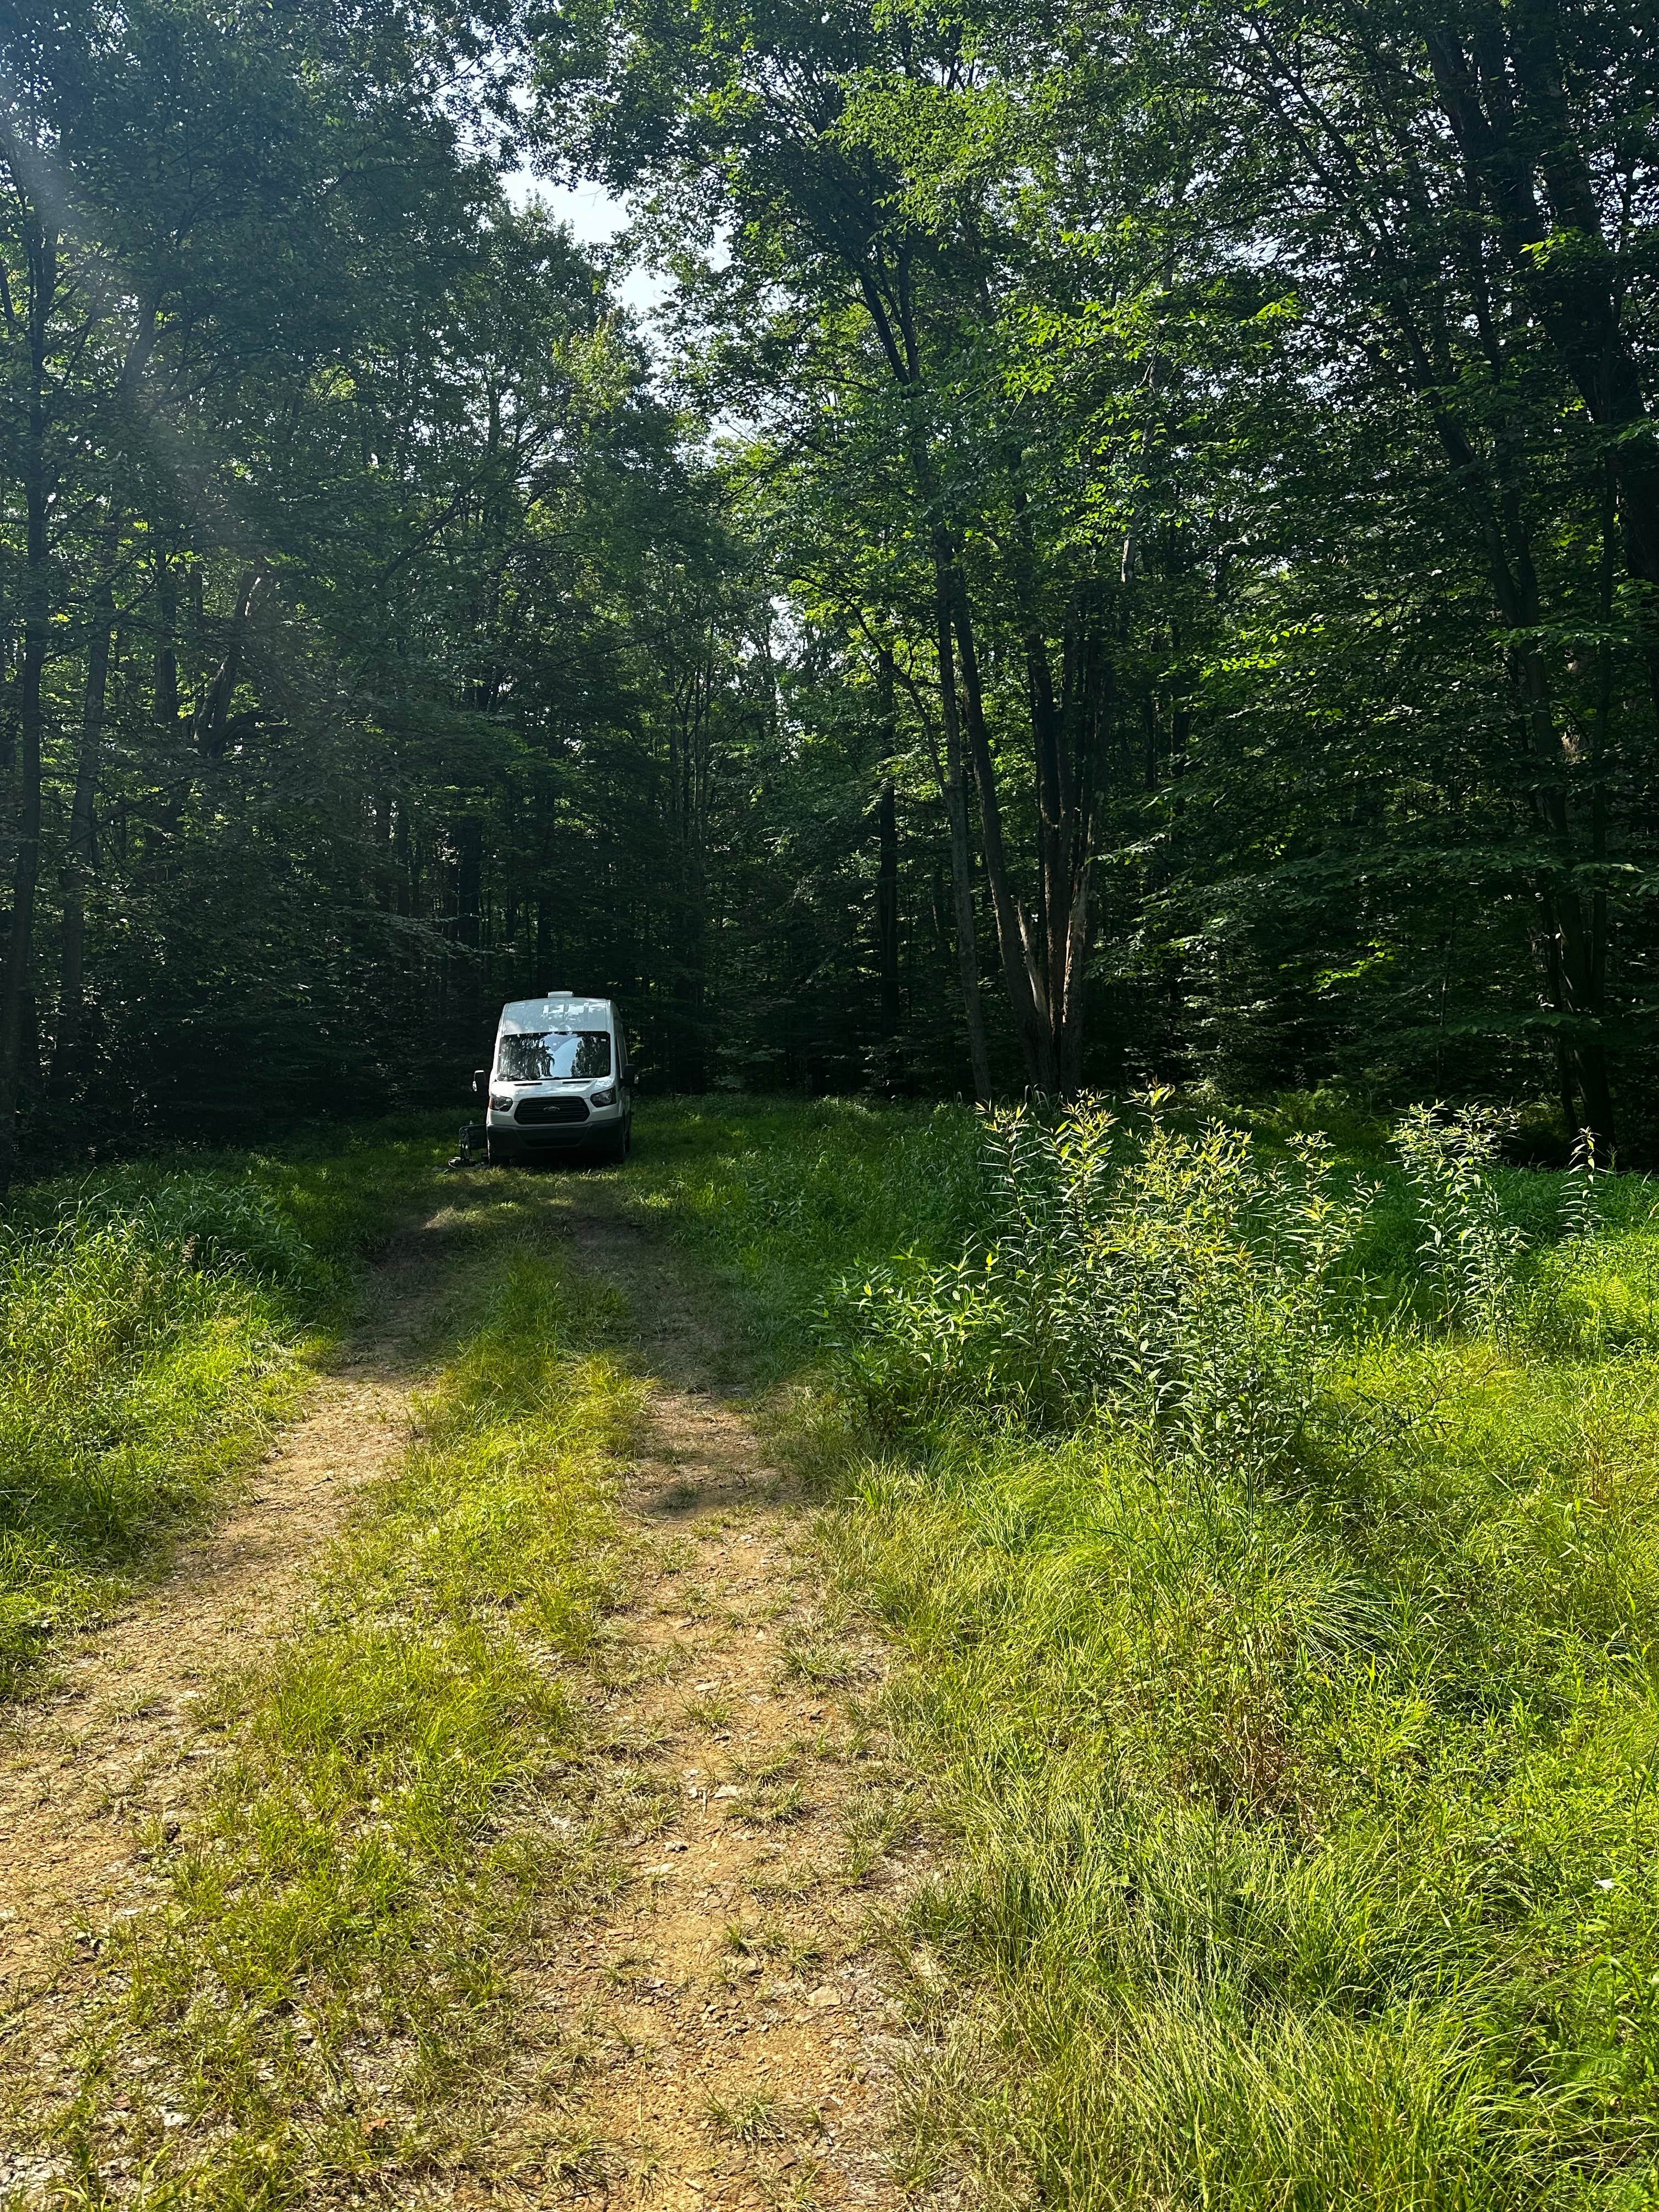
x: 512, y: 1139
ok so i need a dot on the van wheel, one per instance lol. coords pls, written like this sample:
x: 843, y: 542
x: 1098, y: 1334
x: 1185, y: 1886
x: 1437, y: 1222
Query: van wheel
x: 493, y: 1153
x: 612, y: 1149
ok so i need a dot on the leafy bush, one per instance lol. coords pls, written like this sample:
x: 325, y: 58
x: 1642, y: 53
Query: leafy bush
x: 1467, y: 1252
x: 1300, y: 1829
x: 1178, y: 1280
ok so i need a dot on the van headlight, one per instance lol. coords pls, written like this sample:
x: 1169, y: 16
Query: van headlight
x: 501, y: 1101
x: 607, y: 1097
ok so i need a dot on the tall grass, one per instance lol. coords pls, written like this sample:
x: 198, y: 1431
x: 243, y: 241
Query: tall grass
x: 152, y: 1323
x: 779, y: 1197
x: 1272, y: 1543
x: 1267, y: 1536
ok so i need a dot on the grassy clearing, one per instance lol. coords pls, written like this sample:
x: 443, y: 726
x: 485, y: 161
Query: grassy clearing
x: 1271, y: 1559
x: 154, y: 1324
x: 1277, y: 1570
x: 320, y: 2002
x: 778, y: 1197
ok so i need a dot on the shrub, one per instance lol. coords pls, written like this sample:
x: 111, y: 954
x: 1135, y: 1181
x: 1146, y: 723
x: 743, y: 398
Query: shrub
x: 1174, y: 1280
x: 1467, y: 1252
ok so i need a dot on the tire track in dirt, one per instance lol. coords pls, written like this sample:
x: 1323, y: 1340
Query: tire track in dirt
x: 726, y: 2036
x: 719, y: 2034
x: 109, y: 1748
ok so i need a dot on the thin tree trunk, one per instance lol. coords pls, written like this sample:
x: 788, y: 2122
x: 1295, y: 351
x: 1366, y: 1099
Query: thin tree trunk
x: 887, y: 867
x: 1089, y: 687
x: 213, y: 722
x: 166, y: 692
x: 469, y: 880
x: 1574, y: 972
x: 1579, y: 299
x: 900, y: 343
x: 961, y: 860
x: 887, y: 907
x: 1015, y: 939
x: 1057, y: 888
x: 1480, y: 60
x: 1600, y: 731
x: 41, y: 247
x: 82, y: 839
x: 948, y: 774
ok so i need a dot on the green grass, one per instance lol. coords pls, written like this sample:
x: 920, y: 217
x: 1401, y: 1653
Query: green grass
x: 1301, y: 1802
x: 156, y: 1321
x: 778, y: 1198
x: 323, y: 2001
x: 1283, y: 1698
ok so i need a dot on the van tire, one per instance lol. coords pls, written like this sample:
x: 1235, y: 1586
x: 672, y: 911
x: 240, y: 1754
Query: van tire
x: 612, y: 1148
x: 494, y: 1153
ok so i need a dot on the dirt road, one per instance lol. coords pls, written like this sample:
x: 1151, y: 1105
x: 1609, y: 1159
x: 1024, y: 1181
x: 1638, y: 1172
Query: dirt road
x: 717, y: 2034
x: 108, y: 1747
x: 742, y: 2050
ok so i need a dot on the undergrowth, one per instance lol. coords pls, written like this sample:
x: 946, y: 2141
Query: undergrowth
x: 1268, y: 1534
x: 153, y: 1322
x: 777, y: 1197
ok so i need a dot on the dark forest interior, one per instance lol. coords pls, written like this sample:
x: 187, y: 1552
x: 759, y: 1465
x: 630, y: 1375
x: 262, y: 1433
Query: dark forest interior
x: 1128, y: 554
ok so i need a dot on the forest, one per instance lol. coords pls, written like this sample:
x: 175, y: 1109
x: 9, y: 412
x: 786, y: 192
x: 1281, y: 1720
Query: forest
x: 1048, y: 1600
x: 1126, y: 555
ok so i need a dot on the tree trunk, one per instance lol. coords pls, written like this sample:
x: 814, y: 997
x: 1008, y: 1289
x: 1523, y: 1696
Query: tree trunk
x: 213, y: 722
x: 1506, y: 144
x: 82, y: 841
x: 469, y: 879
x: 1016, y: 939
x: 1089, y: 701
x: 897, y: 335
x: 950, y: 785
x: 1063, y: 893
x: 165, y: 695
x: 17, y: 982
x: 887, y: 871
x: 887, y: 907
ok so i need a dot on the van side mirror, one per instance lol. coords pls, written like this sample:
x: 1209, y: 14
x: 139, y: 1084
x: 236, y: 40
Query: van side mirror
x: 480, y: 1082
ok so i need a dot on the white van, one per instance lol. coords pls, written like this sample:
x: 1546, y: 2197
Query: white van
x: 559, y: 1080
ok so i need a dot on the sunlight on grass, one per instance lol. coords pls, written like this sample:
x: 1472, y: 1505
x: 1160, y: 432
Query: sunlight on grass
x: 1269, y: 1542
x: 153, y: 1324
x: 1279, y: 1671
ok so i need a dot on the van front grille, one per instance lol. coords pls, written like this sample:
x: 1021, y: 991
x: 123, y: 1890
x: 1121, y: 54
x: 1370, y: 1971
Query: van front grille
x: 551, y: 1109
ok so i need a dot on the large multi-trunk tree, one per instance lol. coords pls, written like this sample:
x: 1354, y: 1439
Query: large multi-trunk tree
x: 1463, y: 199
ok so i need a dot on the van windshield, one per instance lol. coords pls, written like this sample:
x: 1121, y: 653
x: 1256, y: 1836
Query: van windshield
x: 553, y: 1053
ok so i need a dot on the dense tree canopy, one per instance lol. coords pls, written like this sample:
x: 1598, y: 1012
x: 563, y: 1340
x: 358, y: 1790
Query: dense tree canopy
x: 1132, y: 554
